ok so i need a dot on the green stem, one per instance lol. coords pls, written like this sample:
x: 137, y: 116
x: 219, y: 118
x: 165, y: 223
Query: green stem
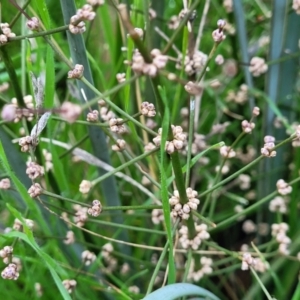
x: 125, y: 165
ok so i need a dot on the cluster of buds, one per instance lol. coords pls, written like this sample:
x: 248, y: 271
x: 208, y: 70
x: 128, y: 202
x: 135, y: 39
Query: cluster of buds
x: 193, y: 88
x: 255, y: 111
x: 278, y: 204
x: 227, y: 152
x: 76, y: 72
x: 218, y: 34
x: 157, y: 216
x: 256, y: 263
x: 70, y: 285
x: 269, y: 145
x: 95, y: 2
x: 33, y: 24
x: 206, y: 268
x: 80, y: 216
x: 173, y: 22
x: 283, y: 187
x: 247, y: 261
x: 240, y: 97
x: 70, y: 111
x: 183, y: 211
x: 96, y: 208
x: 110, y: 261
x: 48, y: 160
x: 6, y: 254
x: 85, y: 186
x: 70, y: 238
x: 34, y: 170
x: 93, y: 116
x: 201, y: 235
x: 11, y: 112
x: 88, y: 257
x: 121, y: 77
x: 4, y: 184
x: 10, y: 272
x: 258, y: 66
x: 6, y: 33
x: 119, y: 146
x: 176, y: 144
x: 228, y: 5
x: 106, y: 114
x: 148, y: 109
x: 139, y: 65
x: 279, y: 232
x: 247, y: 126
x: 19, y: 226
x: 116, y: 125
x: 35, y: 190
x: 192, y: 64
x: 85, y: 13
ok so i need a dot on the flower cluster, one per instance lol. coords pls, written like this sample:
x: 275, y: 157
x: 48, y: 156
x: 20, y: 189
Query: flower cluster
x: 10, y: 272
x: 110, y: 261
x: 240, y: 97
x: 283, y: 187
x: 119, y: 146
x: 4, y: 184
x: 218, y: 34
x: 76, y: 72
x: 183, y: 211
x: 106, y: 114
x: 193, y: 64
x: 11, y: 112
x: 35, y: 190
x: 176, y: 144
x: 206, y: 268
x: 85, y: 186
x: 96, y: 208
x: 19, y: 226
x: 6, y: 254
x: 256, y: 263
x: 148, y: 109
x: 48, y: 160
x: 6, y: 33
x: 193, y: 88
x: 33, y: 24
x: 228, y: 5
x: 70, y: 111
x: 139, y: 65
x: 34, y: 170
x: 70, y: 238
x: 117, y: 126
x: 278, y: 204
x: 70, y: 285
x: 227, y: 152
x: 201, y: 235
x: 247, y: 126
x: 258, y: 66
x: 93, y: 116
x: 121, y: 77
x: 157, y: 216
x: 279, y: 232
x: 88, y: 257
x: 83, y: 14
x: 267, y: 150
x: 95, y: 2
x: 80, y: 216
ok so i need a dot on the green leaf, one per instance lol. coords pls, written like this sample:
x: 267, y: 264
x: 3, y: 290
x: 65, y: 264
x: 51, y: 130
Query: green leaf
x: 176, y: 290
x: 49, y: 262
x: 164, y: 185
